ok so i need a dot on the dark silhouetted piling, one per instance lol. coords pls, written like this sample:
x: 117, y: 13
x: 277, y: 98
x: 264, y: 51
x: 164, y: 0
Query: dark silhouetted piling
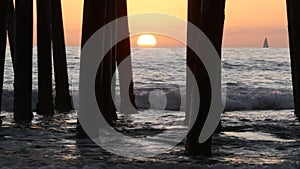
x: 93, y: 19
x: 210, y: 19
x: 106, y: 70
x: 193, y: 8
x: 294, y: 39
x: 10, y: 29
x: 198, y: 69
x: 63, y: 99
x: 23, y: 61
x: 3, y: 20
x: 45, y: 100
x: 123, y: 52
x: 192, y: 145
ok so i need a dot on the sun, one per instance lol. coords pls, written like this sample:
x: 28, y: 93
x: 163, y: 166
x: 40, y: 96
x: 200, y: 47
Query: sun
x: 147, y: 40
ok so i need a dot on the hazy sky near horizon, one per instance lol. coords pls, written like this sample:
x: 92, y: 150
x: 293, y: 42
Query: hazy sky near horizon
x: 247, y: 22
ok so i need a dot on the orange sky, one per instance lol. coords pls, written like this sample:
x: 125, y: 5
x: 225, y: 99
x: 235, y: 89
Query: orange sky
x: 247, y: 22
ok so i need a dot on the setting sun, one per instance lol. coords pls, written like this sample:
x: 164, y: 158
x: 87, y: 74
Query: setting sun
x: 146, y: 40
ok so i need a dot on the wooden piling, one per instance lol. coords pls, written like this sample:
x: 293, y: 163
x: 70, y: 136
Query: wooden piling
x: 93, y: 19
x: 3, y: 20
x: 193, y: 8
x: 210, y: 20
x: 45, y: 100
x: 105, y: 71
x: 195, y: 65
x: 63, y: 99
x: 23, y: 61
x: 294, y: 41
x: 10, y: 29
x: 123, y: 52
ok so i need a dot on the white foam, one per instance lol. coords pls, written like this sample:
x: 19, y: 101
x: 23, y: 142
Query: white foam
x: 237, y: 99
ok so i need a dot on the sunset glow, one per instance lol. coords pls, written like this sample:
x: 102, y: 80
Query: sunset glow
x: 247, y: 22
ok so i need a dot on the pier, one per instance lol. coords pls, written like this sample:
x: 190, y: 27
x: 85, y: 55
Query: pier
x: 16, y: 25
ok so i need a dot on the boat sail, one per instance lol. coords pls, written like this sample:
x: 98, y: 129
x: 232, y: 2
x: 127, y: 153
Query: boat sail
x: 266, y: 44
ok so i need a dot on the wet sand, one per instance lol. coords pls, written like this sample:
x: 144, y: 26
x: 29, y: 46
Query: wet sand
x: 253, y: 139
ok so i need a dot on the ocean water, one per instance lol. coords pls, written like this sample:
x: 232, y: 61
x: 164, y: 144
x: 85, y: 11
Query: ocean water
x: 254, y: 78
x: 259, y: 127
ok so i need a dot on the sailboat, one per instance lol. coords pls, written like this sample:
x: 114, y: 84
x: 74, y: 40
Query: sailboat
x: 266, y: 44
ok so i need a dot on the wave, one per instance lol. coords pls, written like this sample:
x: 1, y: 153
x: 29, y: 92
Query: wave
x: 243, y: 98
x: 237, y: 99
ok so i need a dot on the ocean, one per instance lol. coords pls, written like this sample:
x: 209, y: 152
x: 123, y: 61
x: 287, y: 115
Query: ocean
x: 259, y: 129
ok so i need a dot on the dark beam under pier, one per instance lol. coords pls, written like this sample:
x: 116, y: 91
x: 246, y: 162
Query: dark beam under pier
x: 63, y: 100
x: 293, y: 13
x: 23, y: 61
x: 45, y: 99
